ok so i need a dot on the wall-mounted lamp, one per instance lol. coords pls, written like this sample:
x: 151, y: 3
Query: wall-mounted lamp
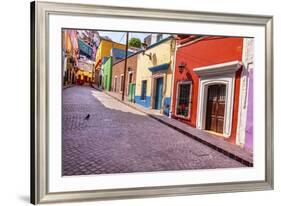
x: 181, y: 67
x: 144, y: 47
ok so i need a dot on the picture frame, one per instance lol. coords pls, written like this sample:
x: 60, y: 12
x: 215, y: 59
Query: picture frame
x: 40, y: 171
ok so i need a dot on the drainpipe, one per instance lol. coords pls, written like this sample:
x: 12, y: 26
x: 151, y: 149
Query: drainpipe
x: 173, y: 72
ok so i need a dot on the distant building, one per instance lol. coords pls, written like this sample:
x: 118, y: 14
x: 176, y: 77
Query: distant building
x: 104, y: 51
x: 90, y: 38
x: 106, y: 73
x: 84, y: 70
x: 152, y: 39
x: 130, y: 81
x: 70, y: 55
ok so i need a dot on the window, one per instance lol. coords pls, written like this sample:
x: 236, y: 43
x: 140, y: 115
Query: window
x: 130, y: 80
x: 143, y: 89
x: 183, y: 99
x: 121, y: 83
x: 159, y: 37
x: 115, y: 84
x: 147, y: 40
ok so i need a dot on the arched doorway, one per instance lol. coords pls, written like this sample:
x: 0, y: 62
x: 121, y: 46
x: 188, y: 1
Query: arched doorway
x: 222, y: 78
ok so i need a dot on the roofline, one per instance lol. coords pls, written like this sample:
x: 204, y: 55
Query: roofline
x: 163, y: 40
x: 124, y: 58
x: 150, y: 47
x: 102, y: 39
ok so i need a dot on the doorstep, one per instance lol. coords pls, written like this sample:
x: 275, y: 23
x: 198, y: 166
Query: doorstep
x: 211, y: 140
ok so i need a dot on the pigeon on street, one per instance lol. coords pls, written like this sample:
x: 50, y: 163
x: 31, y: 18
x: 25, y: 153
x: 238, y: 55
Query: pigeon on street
x: 87, y: 117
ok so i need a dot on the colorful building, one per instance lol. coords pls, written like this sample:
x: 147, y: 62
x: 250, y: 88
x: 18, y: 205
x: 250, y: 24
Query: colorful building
x: 118, y: 76
x: 206, y: 86
x: 104, y: 50
x: 106, y: 74
x: 84, y: 71
x: 83, y: 77
x: 245, y: 113
x: 154, y: 75
x: 70, y: 55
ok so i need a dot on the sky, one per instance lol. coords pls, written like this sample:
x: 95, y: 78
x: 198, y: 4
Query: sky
x: 120, y: 37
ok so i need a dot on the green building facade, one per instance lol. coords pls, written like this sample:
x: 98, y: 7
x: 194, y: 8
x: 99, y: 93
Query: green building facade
x: 107, y: 72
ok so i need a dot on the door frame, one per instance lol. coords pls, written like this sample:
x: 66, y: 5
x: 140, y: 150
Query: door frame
x: 217, y: 74
x: 208, y: 114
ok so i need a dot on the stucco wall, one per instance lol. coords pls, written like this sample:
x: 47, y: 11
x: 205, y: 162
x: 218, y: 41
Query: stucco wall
x: 206, y: 52
x: 106, y: 74
x: 162, y: 53
x: 105, y: 47
x: 118, y: 69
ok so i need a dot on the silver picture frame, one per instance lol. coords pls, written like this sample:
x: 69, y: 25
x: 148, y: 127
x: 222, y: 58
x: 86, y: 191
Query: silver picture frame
x: 40, y: 12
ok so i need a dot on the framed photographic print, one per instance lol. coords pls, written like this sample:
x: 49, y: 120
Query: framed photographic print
x: 131, y: 103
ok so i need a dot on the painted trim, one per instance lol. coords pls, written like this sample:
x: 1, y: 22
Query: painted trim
x: 153, y: 89
x: 141, y: 91
x: 115, y: 83
x: 177, y: 99
x: 218, y: 69
x: 190, y: 42
x: 120, y: 87
x: 221, y: 74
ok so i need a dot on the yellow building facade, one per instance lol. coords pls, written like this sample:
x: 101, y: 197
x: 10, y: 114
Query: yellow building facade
x: 104, y: 50
x: 83, y: 77
x: 154, y: 76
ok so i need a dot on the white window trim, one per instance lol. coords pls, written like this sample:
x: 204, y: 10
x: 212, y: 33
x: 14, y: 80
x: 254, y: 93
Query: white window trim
x: 120, y: 88
x: 143, y: 100
x: 217, y: 74
x: 177, y: 99
x: 115, y: 83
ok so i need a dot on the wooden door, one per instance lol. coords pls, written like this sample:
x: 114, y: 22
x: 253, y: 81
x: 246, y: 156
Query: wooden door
x: 215, y: 108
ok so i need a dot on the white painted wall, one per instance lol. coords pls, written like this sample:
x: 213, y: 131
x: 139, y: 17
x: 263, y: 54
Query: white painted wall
x: 14, y: 104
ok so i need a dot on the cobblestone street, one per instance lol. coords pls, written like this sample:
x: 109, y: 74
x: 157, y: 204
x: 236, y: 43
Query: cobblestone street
x: 120, y: 139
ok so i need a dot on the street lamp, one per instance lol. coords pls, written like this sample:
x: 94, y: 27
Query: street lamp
x: 181, y: 66
x: 144, y: 46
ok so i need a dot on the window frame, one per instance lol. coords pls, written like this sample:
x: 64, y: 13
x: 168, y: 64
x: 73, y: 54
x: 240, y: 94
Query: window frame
x: 121, y: 82
x: 177, y: 99
x: 143, y: 98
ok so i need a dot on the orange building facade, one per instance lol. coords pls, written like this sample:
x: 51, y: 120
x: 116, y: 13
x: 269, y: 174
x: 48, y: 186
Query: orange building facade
x: 206, y: 83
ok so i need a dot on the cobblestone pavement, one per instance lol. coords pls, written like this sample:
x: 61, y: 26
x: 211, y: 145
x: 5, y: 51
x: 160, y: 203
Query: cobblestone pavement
x: 119, y: 139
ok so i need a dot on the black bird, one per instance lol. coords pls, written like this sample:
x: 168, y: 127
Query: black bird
x: 87, y: 117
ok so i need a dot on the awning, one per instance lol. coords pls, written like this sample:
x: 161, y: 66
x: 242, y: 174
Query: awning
x: 159, y: 67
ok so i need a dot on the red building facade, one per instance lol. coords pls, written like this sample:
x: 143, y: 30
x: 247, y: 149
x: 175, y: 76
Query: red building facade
x: 207, y: 83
